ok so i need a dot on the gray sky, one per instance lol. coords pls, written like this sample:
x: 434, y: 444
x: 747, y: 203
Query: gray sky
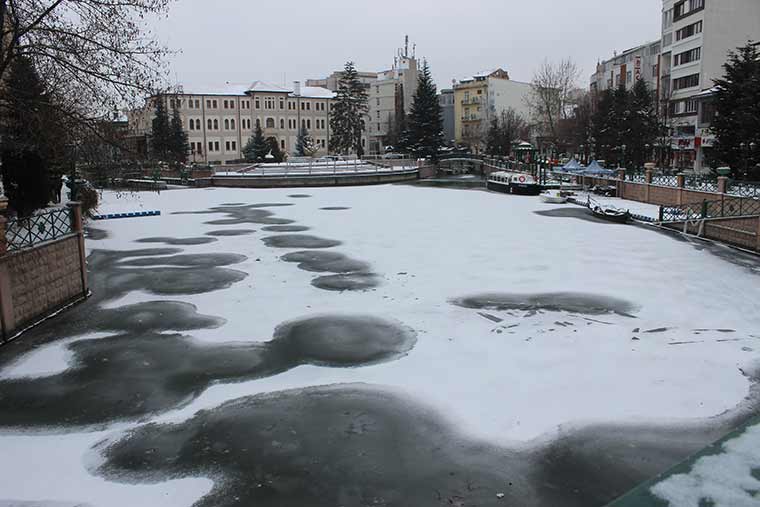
x: 276, y: 41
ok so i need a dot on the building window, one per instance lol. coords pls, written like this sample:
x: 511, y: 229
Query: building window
x: 232, y: 124
x: 216, y: 124
x: 282, y: 104
x: 707, y: 114
x: 258, y: 122
x: 208, y: 104
x: 687, y: 57
x: 687, y: 7
x: 308, y: 124
x: 282, y: 143
x: 257, y: 104
x: 226, y: 124
x: 192, y: 124
x: 190, y: 104
x: 227, y: 146
x: 686, y: 82
x: 209, y: 124
x: 216, y: 145
x: 197, y: 104
x: 689, y: 31
x: 210, y: 146
x: 215, y: 103
x: 282, y: 123
x: 270, y: 123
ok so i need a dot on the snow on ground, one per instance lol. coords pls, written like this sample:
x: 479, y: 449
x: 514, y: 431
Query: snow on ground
x: 507, y: 377
x: 727, y: 479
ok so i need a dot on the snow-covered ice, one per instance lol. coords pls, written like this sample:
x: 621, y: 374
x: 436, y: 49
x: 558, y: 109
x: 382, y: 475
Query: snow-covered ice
x: 509, y: 376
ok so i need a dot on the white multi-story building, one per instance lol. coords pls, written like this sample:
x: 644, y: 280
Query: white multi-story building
x: 392, y: 92
x: 641, y: 62
x: 220, y: 122
x: 697, y: 36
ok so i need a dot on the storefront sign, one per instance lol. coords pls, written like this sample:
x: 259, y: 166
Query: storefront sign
x: 637, y: 67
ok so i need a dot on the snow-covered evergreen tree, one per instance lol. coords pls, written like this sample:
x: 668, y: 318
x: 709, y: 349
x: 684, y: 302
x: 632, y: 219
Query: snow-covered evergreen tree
x: 178, y: 143
x: 347, y: 121
x: 424, y: 135
x: 305, y: 145
x: 257, y: 147
x: 160, y: 140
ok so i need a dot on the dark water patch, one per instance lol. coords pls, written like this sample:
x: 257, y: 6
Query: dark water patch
x: 299, y: 241
x: 299, y: 196
x: 347, y: 282
x: 232, y: 204
x: 188, y: 260
x: 138, y: 373
x: 245, y: 214
x: 178, y: 241
x: 171, y: 281
x: 657, y: 330
x: 226, y: 233
x: 492, y: 318
x: 154, y: 316
x: 571, y: 302
x: 321, y: 447
x: 95, y: 234
x: 286, y: 228
x: 335, y: 208
x: 574, y: 212
x: 342, y: 341
x: 325, y: 262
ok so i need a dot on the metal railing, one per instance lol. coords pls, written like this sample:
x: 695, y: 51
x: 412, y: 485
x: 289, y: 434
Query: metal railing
x: 27, y: 232
x: 723, y: 208
x: 335, y: 168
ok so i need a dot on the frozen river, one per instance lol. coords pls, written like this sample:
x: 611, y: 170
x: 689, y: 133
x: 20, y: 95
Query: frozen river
x: 391, y: 345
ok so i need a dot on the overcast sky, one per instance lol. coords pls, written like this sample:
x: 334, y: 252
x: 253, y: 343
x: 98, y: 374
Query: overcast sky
x: 281, y: 41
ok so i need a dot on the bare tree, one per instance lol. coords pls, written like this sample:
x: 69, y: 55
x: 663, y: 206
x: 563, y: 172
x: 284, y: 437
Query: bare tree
x: 94, y: 55
x: 551, y: 97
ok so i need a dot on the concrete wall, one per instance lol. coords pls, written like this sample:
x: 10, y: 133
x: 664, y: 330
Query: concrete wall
x: 40, y: 280
x: 313, y: 181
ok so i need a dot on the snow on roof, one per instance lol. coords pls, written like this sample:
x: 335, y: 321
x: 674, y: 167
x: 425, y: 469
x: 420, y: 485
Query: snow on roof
x: 313, y: 92
x: 262, y: 86
x: 708, y: 93
x: 225, y: 89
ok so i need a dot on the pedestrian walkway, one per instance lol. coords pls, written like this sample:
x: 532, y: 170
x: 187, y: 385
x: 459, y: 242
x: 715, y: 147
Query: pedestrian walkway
x: 725, y: 474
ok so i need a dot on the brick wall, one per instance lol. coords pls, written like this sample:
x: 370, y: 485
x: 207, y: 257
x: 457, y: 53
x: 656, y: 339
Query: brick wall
x: 43, y: 278
x: 738, y: 231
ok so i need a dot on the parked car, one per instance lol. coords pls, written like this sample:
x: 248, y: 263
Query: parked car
x: 390, y: 156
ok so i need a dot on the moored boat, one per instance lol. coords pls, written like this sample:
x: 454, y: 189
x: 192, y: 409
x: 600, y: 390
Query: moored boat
x: 553, y: 197
x: 608, y: 213
x: 513, y: 183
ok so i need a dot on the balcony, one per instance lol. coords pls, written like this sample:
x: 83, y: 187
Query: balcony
x: 472, y: 101
x: 471, y: 118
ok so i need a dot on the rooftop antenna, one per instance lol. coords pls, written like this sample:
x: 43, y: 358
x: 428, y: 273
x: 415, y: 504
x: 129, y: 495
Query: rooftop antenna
x: 414, y: 51
x: 406, y: 46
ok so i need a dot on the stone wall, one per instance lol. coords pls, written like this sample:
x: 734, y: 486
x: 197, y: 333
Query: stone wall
x: 40, y: 280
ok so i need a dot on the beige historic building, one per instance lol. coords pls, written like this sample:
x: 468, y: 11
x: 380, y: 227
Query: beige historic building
x: 220, y: 122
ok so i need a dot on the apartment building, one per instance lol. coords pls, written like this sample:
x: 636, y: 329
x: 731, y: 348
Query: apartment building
x: 390, y: 94
x: 332, y: 82
x: 697, y: 36
x: 219, y: 122
x: 483, y: 96
x: 641, y: 62
x: 446, y: 101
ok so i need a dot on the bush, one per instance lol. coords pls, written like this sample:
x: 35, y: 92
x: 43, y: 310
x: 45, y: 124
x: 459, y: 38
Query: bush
x: 89, y: 198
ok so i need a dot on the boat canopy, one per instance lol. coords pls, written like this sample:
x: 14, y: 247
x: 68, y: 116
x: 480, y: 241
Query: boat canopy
x: 572, y: 166
x: 595, y: 169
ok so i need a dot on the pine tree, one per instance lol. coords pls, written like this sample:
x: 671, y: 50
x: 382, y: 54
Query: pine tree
x: 257, y: 146
x: 273, y: 149
x: 26, y: 145
x: 305, y: 146
x: 493, y: 139
x: 178, y: 138
x: 347, y: 121
x: 737, y: 113
x: 161, y: 145
x: 643, y: 124
x: 425, y: 125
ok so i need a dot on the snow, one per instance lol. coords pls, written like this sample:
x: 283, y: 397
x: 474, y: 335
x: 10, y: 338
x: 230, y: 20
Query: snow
x: 725, y: 479
x: 637, y: 208
x: 511, y: 386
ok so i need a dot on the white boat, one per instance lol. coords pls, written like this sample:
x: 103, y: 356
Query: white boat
x: 513, y: 183
x: 553, y: 197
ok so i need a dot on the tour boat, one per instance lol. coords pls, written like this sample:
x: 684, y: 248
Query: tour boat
x: 513, y: 183
x: 553, y: 197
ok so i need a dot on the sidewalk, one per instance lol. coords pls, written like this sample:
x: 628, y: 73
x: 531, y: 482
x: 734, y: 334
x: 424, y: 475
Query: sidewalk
x: 725, y: 474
